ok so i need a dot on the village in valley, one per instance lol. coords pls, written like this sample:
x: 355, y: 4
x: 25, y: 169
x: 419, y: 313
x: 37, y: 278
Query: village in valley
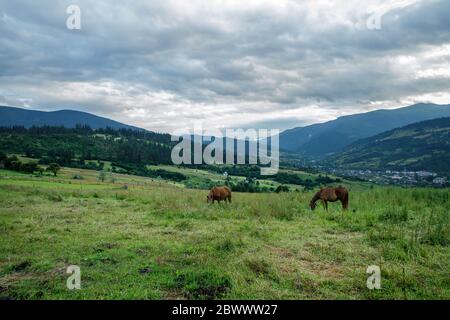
x: 394, y: 177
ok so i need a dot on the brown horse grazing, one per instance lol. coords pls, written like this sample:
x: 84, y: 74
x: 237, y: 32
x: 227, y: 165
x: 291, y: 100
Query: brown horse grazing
x: 332, y: 195
x: 219, y: 194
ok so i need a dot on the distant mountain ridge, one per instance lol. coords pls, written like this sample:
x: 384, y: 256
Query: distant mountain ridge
x: 324, y: 139
x: 12, y: 116
x: 419, y: 146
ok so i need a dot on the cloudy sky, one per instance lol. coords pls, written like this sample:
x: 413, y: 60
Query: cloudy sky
x: 162, y: 65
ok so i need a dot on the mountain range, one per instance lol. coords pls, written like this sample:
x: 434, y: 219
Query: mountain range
x: 11, y: 116
x: 327, y: 138
x: 395, y: 139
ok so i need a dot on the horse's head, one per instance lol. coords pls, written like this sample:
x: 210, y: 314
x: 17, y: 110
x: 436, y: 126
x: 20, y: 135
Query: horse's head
x: 209, y: 197
x: 312, y: 205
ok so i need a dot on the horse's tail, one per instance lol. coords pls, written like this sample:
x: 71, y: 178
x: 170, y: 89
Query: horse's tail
x: 345, y: 200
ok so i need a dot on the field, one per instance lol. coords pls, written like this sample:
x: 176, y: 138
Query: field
x: 137, y: 238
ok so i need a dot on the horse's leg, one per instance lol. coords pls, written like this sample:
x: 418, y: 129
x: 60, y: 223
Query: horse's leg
x: 325, y: 204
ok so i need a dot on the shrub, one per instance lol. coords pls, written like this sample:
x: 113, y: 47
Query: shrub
x: 54, y: 168
x: 102, y: 176
x: 203, y: 284
x: 282, y: 188
x: 13, y: 163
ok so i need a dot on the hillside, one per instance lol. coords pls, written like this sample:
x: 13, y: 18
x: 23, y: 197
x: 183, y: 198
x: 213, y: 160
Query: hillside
x: 10, y: 116
x: 140, y: 153
x: 330, y: 137
x: 419, y: 146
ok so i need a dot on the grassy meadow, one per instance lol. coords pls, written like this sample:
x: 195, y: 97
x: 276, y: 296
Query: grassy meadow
x: 137, y: 238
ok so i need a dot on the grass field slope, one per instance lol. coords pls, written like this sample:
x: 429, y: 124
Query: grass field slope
x: 138, y: 238
x: 419, y: 146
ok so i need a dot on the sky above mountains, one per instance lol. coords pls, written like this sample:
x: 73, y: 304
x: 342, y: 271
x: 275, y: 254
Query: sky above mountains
x: 162, y: 65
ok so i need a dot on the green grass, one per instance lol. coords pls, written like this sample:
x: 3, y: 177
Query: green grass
x: 155, y: 240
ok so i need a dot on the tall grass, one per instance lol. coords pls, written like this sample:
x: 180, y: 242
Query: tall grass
x: 158, y: 241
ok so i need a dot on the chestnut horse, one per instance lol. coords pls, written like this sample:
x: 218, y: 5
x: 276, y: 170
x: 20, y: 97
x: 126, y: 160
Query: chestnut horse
x: 219, y: 194
x: 332, y: 195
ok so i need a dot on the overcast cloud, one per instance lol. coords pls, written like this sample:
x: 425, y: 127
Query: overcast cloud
x: 162, y: 65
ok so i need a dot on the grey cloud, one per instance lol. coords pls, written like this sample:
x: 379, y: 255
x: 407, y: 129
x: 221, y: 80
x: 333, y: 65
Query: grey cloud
x: 251, y: 60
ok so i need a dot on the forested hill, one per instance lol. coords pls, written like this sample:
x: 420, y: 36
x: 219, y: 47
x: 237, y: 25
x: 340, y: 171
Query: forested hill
x: 72, y: 146
x: 420, y: 146
x: 327, y: 138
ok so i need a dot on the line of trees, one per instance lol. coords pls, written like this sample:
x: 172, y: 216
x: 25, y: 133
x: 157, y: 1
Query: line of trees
x: 13, y: 163
x: 252, y: 172
x: 142, y: 170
